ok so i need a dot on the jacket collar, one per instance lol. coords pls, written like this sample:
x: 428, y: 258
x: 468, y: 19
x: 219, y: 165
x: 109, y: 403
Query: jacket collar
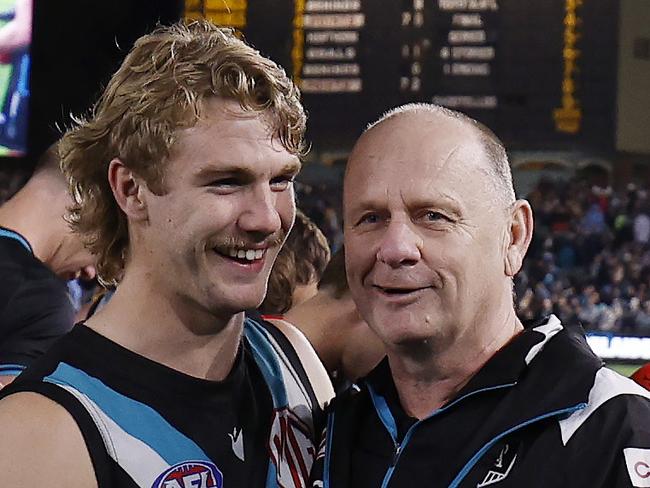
x: 558, y: 365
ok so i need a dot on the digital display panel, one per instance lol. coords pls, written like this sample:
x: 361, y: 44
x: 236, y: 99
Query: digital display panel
x: 542, y: 75
x: 15, y: 61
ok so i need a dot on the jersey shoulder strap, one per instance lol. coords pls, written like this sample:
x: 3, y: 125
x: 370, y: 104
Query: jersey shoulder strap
x: 136, y: 437
x: 283, y: 356
x: 316, y: 375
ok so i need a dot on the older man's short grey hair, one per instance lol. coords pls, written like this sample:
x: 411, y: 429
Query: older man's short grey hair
x: 498, y: 168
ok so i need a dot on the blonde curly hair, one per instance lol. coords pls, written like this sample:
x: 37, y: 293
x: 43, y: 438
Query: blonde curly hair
x: 159, y: 89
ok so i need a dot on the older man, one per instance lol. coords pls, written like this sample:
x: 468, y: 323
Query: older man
x: 183, y: 182
x: 468, y: 396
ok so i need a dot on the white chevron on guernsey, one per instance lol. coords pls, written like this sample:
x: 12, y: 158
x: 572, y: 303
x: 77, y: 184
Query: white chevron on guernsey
x: 549, y: 329
x: 143, y: 464
x: 608, y: 384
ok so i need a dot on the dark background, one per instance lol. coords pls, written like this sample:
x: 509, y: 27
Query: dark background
x: 78, y: 44
x: 526, y: 78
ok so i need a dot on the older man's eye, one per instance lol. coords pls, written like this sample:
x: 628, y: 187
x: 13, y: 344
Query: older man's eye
x: 433, y: 216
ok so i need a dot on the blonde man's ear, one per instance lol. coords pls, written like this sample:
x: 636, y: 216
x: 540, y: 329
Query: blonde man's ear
x: 128, y: 190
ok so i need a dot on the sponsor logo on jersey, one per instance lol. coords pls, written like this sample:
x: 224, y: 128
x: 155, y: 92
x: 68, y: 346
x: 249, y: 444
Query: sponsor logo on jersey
x: 638, y: 466
x: 190, y: 474
x: 237, y: 443
x: 292, y: 449
x: 502, y: 466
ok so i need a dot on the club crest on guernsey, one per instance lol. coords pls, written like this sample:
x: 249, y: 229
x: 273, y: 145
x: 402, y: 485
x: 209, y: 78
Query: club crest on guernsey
x: 190, y: 474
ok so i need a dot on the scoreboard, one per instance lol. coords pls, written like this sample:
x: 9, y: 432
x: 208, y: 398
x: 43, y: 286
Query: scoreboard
x: 540, y: 73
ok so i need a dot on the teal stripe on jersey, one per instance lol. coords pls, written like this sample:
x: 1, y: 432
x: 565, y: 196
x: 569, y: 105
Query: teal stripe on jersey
x: 135, y: 418
x: 17, y: 237
x: 11, y: 369
x: 266, y: 358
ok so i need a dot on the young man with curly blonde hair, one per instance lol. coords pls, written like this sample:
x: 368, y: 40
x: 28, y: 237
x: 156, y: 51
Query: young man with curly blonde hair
x: 182, y: 180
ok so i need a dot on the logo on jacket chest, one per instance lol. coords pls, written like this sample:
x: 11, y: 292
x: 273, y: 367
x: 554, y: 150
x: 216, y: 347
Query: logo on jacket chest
x: 190, y: 474
x: 502, y: 466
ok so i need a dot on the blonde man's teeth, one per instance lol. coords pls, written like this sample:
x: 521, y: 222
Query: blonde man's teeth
x: 250, y: 254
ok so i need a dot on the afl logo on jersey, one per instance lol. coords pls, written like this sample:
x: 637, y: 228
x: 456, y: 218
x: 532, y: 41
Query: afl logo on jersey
x: 190, y: 474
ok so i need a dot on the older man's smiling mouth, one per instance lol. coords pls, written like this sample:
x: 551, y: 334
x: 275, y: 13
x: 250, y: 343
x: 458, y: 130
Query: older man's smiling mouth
x: 399, y: 291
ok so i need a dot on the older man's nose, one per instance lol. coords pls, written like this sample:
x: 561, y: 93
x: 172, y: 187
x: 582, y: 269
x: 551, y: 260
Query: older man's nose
x: 400, y: 245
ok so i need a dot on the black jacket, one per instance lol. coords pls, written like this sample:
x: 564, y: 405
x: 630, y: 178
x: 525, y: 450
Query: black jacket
x: 543, y: 412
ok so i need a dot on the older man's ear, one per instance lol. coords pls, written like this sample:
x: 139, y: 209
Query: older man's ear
x: 521, y: 233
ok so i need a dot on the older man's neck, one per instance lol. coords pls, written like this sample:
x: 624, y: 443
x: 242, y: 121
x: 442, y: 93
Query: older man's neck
x: 426, y: 380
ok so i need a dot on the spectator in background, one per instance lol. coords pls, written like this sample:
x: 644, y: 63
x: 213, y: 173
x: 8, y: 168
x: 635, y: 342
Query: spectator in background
x: 298, y: 267
x: 322, y: 204
x: 641, y: 226
x: 593, y: 221
x: 642, y: 376
x: 15, y: 37
x: 331, y: 322
x: 38, y: 252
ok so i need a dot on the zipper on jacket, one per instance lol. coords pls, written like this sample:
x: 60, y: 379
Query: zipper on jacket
x: 396, y: 453
x: 329, y: 435
x: 387, y: 419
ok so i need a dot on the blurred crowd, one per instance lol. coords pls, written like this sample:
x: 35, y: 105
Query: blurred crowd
x: 590, y: 257
x: 322, y: 203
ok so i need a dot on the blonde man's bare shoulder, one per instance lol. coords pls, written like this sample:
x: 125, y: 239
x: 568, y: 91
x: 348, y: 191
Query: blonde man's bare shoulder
x: 40, y: 444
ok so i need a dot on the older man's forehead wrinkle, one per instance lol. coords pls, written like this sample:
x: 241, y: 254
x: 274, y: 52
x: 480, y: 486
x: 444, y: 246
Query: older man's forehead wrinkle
x: 449, y: 157
x: 370, y: 200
